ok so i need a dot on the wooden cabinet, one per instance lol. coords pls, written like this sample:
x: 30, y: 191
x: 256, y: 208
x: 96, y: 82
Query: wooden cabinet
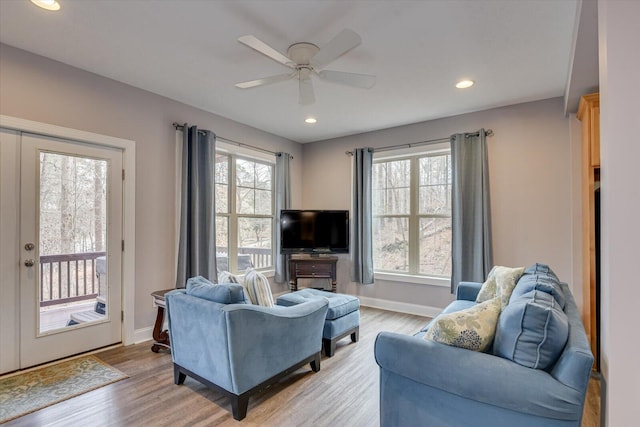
x: 312, y: 268
x: 589, y: 115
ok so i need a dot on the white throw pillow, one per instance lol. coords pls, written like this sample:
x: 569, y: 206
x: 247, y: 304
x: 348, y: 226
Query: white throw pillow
x: 226, y: 277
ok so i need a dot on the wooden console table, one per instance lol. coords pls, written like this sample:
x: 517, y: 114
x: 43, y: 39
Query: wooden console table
x: 312, y: 268
x: 160, y: 337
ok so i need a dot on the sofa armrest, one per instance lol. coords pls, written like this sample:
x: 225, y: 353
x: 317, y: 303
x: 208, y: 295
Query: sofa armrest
x: 468, y: 290
x: 477, y: 376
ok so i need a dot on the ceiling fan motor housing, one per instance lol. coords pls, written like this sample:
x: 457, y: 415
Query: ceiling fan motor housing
x: 301, y: 53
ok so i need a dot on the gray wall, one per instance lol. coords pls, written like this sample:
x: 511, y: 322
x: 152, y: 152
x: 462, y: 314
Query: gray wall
x: 36, y: 88
x: 530, y: 181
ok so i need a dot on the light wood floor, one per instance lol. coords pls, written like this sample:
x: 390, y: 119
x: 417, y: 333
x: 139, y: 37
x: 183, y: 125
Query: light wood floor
x: 343, y: 393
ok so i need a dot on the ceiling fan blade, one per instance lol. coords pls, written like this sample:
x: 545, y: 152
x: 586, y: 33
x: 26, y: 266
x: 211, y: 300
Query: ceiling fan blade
x: 339, y: 45
x: 364, y: 81
x: 306, y: 95
x: 265, y: 81
x: 257, y: 44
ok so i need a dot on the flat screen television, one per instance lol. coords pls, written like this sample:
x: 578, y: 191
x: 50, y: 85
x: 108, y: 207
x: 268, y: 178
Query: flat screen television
x: 314, y: 231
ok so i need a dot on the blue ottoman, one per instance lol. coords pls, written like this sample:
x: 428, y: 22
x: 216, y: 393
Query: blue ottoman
x: 343, y: 316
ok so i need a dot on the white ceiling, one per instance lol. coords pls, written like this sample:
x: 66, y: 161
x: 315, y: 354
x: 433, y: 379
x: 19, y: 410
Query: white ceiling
x: 515, y: 50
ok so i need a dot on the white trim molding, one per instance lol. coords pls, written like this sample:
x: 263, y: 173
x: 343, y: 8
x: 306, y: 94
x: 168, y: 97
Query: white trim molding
x: 444, y: 282
x: 401, y: 307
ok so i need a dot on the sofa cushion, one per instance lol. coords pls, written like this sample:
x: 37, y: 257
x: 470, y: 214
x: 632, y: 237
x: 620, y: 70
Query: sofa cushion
x: 472, y: 328
x: 541, y: 282
x: 538, y: 268
x: 500, y: 283
x: 258, y: 288
x: 532, y: 331
x: 339, y: 304
x: 223, y: 294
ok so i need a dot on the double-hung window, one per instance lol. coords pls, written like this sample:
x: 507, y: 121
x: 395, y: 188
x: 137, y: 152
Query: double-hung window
x: 412, y: 213
x: 244, y: 212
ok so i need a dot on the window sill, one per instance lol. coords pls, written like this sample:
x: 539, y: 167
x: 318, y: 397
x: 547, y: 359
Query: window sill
x: 410, y: 278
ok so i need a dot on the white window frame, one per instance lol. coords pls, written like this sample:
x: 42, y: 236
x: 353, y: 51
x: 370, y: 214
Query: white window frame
x: 234, y: 152
x: 413, y: 154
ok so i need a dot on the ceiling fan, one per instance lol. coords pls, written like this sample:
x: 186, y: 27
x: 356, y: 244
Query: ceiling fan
x: 306, y: 59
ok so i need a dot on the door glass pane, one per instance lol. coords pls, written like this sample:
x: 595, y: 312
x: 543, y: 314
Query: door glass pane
x: 72, y: 278
x: 391, y: 244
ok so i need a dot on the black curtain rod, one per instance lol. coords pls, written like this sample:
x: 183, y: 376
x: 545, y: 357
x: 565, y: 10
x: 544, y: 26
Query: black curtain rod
x: 239, y: 144
x: 488, y: 132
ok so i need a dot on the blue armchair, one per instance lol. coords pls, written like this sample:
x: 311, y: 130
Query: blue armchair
x: 237, y: 348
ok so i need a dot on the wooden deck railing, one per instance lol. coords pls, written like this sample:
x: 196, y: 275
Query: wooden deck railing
x: 68, y: 277
x: 260, y: 257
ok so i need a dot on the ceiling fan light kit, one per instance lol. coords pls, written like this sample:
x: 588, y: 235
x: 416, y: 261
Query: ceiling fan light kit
x: 307, y: 59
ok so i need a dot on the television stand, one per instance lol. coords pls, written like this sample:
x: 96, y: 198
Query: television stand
x: 312, y: 268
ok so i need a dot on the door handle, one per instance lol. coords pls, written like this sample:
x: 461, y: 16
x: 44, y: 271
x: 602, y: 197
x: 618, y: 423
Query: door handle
x: 29, y: 262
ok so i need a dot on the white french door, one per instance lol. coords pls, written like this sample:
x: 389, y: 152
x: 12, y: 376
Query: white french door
x: 68, y: 223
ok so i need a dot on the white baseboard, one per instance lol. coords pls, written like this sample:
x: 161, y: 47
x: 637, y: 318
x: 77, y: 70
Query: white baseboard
x: 402, y: 307
x: 142, y: 335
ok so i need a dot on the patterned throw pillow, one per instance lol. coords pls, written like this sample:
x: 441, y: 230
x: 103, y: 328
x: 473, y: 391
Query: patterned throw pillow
x: 472, y: 328
x: 500, y: 283
x: 258, y: 288
x: 488, y: 289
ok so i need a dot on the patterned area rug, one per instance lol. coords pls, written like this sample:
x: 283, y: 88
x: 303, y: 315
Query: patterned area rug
x: 27, y: 392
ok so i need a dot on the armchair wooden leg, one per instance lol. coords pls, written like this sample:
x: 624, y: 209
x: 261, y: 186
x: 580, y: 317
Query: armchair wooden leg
x: 178, y: 377
x: 239, y: 405
x: 315, y: 363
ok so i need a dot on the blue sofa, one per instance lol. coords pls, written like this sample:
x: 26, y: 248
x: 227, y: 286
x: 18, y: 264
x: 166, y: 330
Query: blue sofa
x: 427, y: 383
x: 236, y: 348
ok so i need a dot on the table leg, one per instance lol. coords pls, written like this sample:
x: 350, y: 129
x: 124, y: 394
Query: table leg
x: 160, y: 337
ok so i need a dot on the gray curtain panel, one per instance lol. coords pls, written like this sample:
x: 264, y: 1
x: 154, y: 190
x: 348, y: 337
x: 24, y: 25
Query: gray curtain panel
x: 197, y: 239
x: 361, y: 218
x: 283, y: 201
x: 471, y: 253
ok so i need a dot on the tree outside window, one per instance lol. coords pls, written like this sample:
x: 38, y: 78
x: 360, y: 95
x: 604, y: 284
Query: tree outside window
x: 412, y: 214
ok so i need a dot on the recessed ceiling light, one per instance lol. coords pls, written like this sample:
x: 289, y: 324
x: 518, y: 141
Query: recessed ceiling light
x: 47, y: 4
x: 310, y: 120
x: 463, y: 84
